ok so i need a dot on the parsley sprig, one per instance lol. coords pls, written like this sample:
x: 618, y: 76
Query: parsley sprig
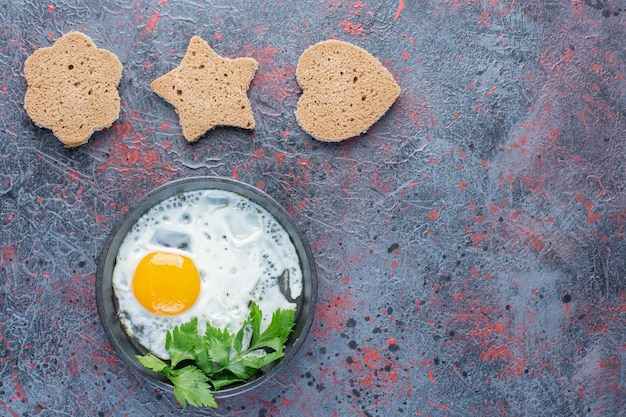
x: 203, y: 363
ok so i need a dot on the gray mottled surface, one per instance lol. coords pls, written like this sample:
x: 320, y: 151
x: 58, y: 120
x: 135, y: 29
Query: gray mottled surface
x: 470, y: 247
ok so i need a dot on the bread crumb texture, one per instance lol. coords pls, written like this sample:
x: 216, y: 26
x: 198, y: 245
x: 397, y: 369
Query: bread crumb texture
x: 208, y: 90
x: 72, y: 88
x: 345, y: 90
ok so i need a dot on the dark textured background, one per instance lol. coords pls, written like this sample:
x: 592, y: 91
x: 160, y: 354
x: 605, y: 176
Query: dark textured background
x: 470, y: 247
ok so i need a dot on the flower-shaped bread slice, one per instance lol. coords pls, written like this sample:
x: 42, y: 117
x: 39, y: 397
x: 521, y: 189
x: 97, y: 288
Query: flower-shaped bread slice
x: 72, y: 88
x: 208, y: 90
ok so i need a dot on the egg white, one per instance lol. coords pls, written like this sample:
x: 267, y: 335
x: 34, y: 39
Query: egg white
x: 238, y: 247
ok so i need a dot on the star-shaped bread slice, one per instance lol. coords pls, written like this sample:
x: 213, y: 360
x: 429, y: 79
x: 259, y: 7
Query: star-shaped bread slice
x: 72, y: 88
x: 208, y: 90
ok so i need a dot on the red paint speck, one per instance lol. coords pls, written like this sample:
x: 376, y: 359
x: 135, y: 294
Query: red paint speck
x: 578, y: 197
x: 568, y: 55
x: 493, y: 209
x: 474, y: 272
x: 405, y: 55
x: 433, y: 215
x: 235, y: 173
x: 51, y: 8
x: 394, y: 265
x: 352, y: 29
x: 399, y: 10
x: 264, y: 55
x: 477, y: 238
x: 7, y: 253
x: 273, y: 79
x: 594, y: 217
x: 218, y: 36
x: 483, y: 19
x: 576, y: 159
x: 258, y: 154
x: 554, y: 134
x: 332, y: 314
x: 596, y: 68
x: 164, y: 126
x: 152, y: 22
x: 463, y: 185
x: 122, y: 129
x: 280, y: 157
x: 19, y: 389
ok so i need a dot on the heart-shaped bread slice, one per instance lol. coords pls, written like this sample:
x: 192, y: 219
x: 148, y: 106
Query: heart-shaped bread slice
x: 345, y: 90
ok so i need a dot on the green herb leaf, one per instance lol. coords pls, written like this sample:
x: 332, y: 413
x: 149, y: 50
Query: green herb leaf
x: 257, y: 359
x: 152, y: 362
x: 254, y: 318
x: 181, y: 342
x: 276, y: 334
x: 203, y: 360
x: 240, y: 370
x: 224, y: 379
x: 219, y: 357
x: 219, y: 343
x: 190, y: 386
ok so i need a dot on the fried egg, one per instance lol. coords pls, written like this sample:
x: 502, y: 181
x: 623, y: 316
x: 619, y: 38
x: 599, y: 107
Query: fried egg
x: 204, y: 254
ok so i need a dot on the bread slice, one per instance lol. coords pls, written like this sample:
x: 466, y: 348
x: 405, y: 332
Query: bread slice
x: 72, y: 88
x: 208, y: 90
x: 345, y: 90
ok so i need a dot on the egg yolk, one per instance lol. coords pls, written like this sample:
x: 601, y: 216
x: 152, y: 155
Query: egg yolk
x: 166, y: 283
